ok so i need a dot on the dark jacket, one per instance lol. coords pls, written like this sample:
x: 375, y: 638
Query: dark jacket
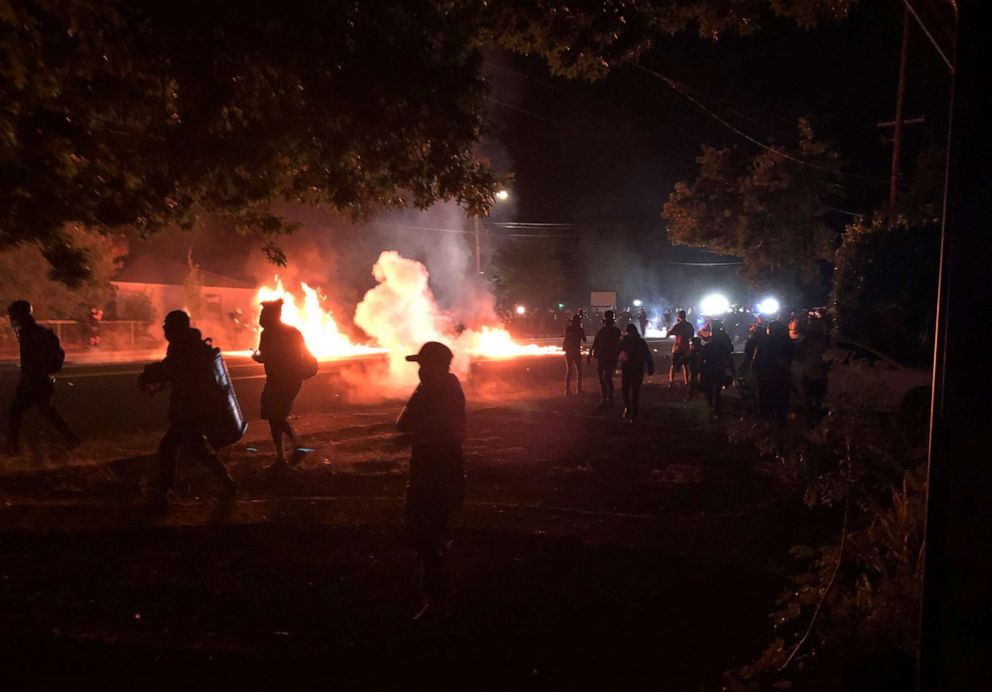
x: 434, y: 418
x: 281, y: 350
x: 188, y: 368
x: 718, y: 355
x: 575, y: 336
x: 773, y: 357
x: 33, y: 338
x: 635, y: 356
x: 606, y: 346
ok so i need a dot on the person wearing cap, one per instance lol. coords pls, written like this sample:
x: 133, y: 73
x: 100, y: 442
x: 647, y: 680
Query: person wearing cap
x: 433, y: 421
x: 187, y: 364
x: 606, y: 350
x: 41, y: 357
x: 575, y: 336
x: 683, y: 332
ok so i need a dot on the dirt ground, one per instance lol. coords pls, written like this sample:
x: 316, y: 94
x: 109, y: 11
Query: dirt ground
x: 590, y: 554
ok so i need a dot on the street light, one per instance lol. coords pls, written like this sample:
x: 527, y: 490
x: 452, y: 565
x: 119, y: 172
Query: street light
x: 714, y: 304
x: 638, y: 303
x: 520, y: 310
x: 501, y: 196
x: 768, y: 306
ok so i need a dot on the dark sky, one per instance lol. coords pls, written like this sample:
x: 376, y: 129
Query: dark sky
x: 604, y: 156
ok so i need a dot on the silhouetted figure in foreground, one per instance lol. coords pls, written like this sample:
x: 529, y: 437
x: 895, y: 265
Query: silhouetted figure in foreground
x: 635, y: 359
x: 287, y: 361
x: 772, y: 365
x: 606, y: 350
x: 810, y: 354
x: 683, y: 332
x: 434, y: 420
x: 575, y: 336
x: 188, y: 369
x: 41, y: 357
x: 718, y: 358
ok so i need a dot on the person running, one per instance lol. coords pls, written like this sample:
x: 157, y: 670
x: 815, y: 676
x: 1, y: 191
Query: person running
x: 187, y: 368
x: 287, y: 361
x: 683, y: 332
x: 635, y: 358
x: 434, y: 422
x: 41, y: 357
x: 606, y: 350
x: 718, y: 357
x: 575, y: 336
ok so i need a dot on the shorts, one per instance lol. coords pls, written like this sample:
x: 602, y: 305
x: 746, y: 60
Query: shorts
x: 278, y: 397
x: 680, y: 358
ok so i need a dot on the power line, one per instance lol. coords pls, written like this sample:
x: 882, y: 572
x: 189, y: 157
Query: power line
x: 672, y: 84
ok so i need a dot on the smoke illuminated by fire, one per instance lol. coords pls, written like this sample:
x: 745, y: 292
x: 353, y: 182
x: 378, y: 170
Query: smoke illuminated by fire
x: 399, y: 314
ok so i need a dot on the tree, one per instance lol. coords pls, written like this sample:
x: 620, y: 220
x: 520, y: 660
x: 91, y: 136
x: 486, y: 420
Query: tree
x: 530, y: 271
x: 23, y: 274
x: 193, y: 287
x: 145, y: 113
x: 766, y: 208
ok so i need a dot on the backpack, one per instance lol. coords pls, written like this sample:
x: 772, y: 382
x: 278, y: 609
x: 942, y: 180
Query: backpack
x: 52, y: 354
x: 306, y: 363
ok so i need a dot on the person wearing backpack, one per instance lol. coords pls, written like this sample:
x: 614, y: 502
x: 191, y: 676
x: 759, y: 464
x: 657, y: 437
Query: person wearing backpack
x: 188, y: 369
x: 287, y: 361
x: 41, y: 357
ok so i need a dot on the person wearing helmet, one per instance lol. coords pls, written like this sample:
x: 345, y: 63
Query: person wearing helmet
x: 606, y: 350
x: 41, y: 357
x: 186, y: 366
x: 575, y: 336
x: 433, y: 421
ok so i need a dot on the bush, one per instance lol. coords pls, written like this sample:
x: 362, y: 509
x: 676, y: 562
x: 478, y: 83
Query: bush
x: 137, y: 307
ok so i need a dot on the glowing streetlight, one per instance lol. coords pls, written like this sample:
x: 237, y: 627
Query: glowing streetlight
x: 638, y: 303
x: 714, y: 304
x: 520, y: 310
x: 503, y: 195
x: 769, y: 306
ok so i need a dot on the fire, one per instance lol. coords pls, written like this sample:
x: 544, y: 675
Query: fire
x: 317, y: 325
x: 496, y: 342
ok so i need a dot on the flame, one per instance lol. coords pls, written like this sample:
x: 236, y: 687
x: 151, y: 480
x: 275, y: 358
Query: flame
x: 496, y: 342
x: 319, y: 329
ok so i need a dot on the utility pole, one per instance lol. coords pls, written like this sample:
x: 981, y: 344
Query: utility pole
x: 478, y: 246
x: 899, y: 121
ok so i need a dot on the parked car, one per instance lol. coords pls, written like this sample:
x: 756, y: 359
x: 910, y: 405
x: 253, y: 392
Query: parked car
x: 862, y: 376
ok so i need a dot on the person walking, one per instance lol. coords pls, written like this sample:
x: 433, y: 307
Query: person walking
x: 287, y: 361
x: 606, y: 350
x: 433, y: 421
x: 187, y: 368
x: 683, y: 332
x: 773, y: 365
x: 575, y: 336
x: 718, y: 358
x: 41, y: 356
x: 635, y: 359
x: 810, y: 354
x: 642, y: 320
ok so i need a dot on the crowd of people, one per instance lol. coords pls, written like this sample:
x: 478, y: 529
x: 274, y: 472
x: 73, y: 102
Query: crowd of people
x: 706, y: 364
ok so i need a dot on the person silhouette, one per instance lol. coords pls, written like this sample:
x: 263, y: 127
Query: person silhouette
x: 606, y: 350
x: 575, y: 336
x: 635, y: 358
x: 41, y: 357
x: 433, y: 420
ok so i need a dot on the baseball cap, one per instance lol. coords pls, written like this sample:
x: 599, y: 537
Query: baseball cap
x: 432, y: 352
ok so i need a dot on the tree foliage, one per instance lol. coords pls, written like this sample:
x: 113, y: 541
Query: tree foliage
x: 142, y: 114
x: 24, y: 275
x: 766, y: 208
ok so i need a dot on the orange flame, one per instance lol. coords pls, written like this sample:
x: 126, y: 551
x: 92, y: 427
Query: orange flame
x: 319, y: 329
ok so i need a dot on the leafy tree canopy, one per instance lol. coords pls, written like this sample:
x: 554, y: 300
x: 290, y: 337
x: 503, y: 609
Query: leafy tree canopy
x: 766, y: 208
x: 116, y: 113
x: 531, y: 271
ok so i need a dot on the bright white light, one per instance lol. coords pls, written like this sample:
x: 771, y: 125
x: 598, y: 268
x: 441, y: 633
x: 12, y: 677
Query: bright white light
x: 502, y: 195
x: 769, y: 306
x: 714, y: 304
x: 521, y: 310
x: 638, y: 303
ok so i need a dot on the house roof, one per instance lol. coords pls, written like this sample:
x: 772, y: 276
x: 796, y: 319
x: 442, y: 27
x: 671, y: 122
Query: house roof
x: 150, y: 269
